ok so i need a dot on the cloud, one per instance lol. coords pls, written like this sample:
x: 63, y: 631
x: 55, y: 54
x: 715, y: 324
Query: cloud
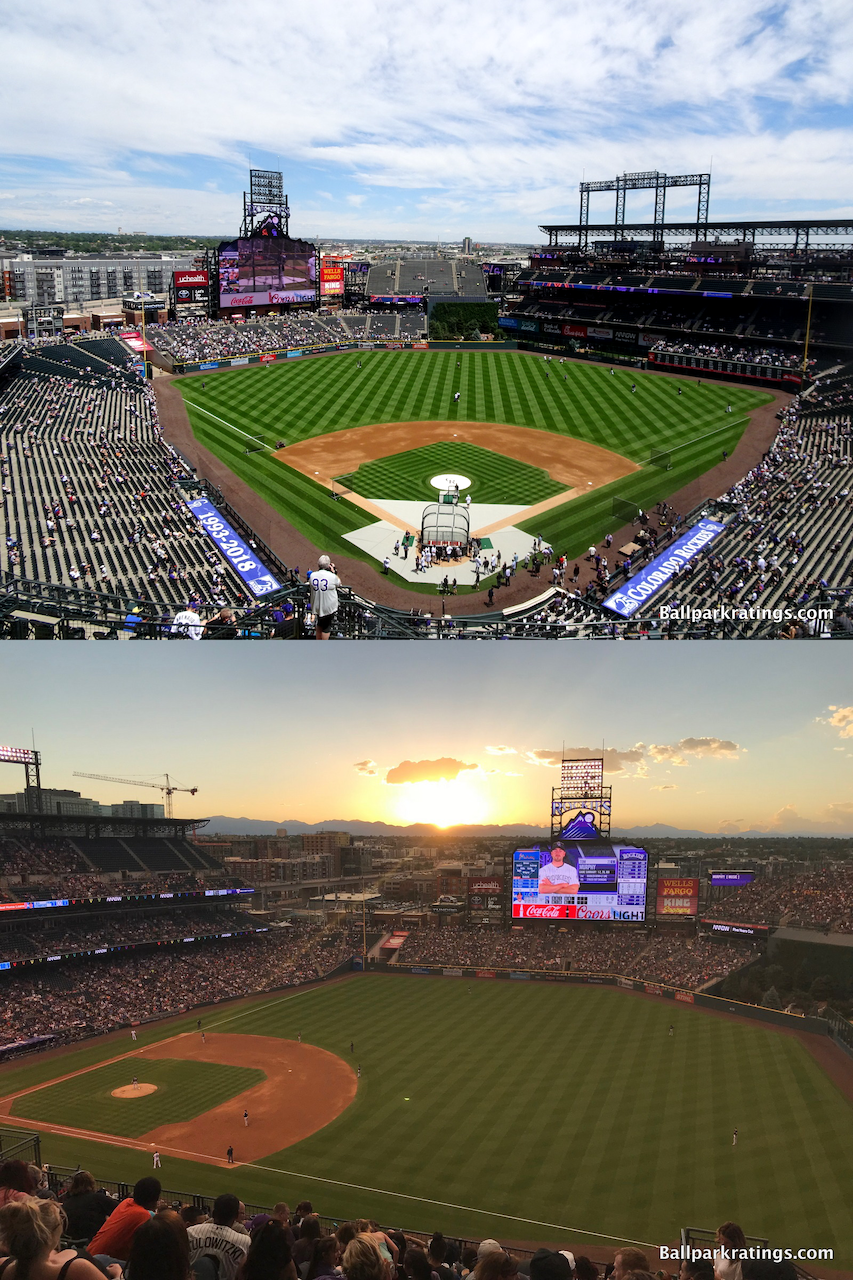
x: 669, y: 786
x: 842, y: 720
x: 614, y: 761
x: 426, y: 770
x: 514, y: 775
x: 459, y: 114
x: 502, y: 751
x: 720, y: 748
x: 366, y: 767
x: 834, y: 819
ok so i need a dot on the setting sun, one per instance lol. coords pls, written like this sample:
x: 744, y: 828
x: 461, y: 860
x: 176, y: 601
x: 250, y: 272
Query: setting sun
x: 444, y: 803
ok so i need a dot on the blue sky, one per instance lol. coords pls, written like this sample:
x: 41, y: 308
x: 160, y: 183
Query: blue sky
x: 720, y: 736
x: 460, y: 117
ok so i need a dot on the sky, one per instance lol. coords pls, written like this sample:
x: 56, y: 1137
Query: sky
x: 725, y: 736
x: 461, y: 117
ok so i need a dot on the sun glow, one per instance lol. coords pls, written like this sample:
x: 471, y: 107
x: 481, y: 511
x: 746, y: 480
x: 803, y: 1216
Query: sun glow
x: 444, y: 803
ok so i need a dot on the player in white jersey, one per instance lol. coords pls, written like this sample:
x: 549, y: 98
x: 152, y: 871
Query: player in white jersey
x: 559, y: 875
x: 324, y: 583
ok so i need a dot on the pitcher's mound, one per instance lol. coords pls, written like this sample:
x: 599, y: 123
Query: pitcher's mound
x: 128, y: 1091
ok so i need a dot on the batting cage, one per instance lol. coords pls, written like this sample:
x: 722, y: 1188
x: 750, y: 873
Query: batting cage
x: 444, y: 525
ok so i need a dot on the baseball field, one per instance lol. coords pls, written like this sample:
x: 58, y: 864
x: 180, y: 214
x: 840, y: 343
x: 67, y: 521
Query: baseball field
x: 522, y: 1110
x: 552, y: 443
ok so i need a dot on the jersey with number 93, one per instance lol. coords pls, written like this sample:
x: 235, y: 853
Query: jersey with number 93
x: 324, y: 592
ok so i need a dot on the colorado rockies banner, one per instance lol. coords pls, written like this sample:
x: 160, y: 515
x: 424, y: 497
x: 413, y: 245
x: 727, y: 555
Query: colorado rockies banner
x: 253, y: 573
x: 659, y: 572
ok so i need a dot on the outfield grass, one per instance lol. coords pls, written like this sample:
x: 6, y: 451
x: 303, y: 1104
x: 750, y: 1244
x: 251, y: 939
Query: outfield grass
x: 298, y: 400
x: 184, y: 1090
x: 493, y: 477
x: 535, y: 1111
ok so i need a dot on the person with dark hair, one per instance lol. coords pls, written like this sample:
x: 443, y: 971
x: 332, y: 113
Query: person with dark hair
x: 585, y: 1268
x: 469, y: 1260
x: 86, y: 1207
x: 436, y: 1255
x: 309, y: 1231
x: 192, y: 1215
x: 269, y: 1256
x: 696, y: 1269
x: 560, y: 875
x: 160, y: 1249
x: 323, y: 1258
x: 30, y: 1230
x: 303, y: 1210
x: 416, y: 1265
x: 219, y: 1239
x: 729, y: 1237
x: 112, y: 1242
x: 16, y: 1181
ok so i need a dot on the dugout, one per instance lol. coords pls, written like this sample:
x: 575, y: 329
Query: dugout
x: 445, y: 524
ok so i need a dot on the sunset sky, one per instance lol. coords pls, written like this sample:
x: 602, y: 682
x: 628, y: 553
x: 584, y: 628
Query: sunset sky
x: 719, y: 737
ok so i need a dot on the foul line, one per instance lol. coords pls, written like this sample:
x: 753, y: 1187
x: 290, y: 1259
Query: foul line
x: 226, y: 423
x: 448, y: 1204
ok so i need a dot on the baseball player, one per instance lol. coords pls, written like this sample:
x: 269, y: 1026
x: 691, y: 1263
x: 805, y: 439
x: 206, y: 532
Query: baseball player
x: 246, y: 1118
x: 135, y: 1083
x: 156, y: 1159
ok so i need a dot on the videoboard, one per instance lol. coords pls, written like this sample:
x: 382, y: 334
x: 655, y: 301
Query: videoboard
x: 579, y: 881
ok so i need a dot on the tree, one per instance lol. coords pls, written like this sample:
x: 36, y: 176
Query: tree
x: 771, y: 1000
x: 822, y: 987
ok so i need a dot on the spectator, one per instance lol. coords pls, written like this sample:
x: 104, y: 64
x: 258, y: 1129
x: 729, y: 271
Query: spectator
x: 309, y: 1231
x: 86, y: 1208
x: 16, y: 1181
x: 30, y: 1230
x: 159, y: 1249
x: 497, y: 1265
x: 324, y: 1259
x: 269, y: 1256
x: 362, y: 1259
x: 628, y: 1260
x: 729, y: 1237
x: 416, y: 1265
x: 112, y: 1242
x: 218, y: 1238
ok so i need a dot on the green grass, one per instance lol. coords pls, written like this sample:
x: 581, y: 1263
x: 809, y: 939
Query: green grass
x: 184, y: 1090
x: 494, y: 478
x: 300, y: 399
x: 560, y: 1108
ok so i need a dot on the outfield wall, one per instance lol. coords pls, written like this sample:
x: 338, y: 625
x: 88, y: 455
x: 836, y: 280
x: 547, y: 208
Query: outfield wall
x: 677, y: 994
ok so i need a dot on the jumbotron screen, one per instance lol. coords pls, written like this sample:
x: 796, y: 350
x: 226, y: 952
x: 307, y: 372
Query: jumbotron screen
x: 268, y: 269
x: 571, y: 881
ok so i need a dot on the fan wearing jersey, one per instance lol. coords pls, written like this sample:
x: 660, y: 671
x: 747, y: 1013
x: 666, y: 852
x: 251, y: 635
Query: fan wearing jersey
x: 560, y: 875
x: 324, y: 583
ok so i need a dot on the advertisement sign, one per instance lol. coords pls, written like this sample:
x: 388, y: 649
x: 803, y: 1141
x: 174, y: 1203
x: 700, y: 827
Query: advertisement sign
x: 678, y: 896
x: 486, y: 973
x: 686, y: 997
x: 266, y: 270
x: 255, y: 576
x: 744, y: 930
x: 420, y: 346
x: 485, y: 884
x: 731, y: 877
x: 267, y: 357
x: 574, y: 881
x: 190, y: 279
x: 651, y: 990
x: 574, y: 330
x: 507, y: 322
x: 331, y: 280
x: 134, y: 340
x: 599, y: 333
x: 648, y: 339
x: 649, y: 580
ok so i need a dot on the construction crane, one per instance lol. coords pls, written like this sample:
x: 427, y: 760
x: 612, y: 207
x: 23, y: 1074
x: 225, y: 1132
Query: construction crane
x: 167, y: 788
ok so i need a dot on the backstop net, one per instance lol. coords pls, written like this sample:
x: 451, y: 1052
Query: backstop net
x: 444, y: 524
x: 625, y: 510
x: 662, y: 460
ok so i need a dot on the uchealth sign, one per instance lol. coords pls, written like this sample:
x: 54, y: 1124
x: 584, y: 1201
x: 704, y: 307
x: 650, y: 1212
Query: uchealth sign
x: 648, y: 581
x: 190, y: 279
x: 487, y: 884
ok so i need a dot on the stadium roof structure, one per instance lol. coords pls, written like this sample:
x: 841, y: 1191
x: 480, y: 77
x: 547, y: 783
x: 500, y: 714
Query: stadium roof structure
x: 800, y: 233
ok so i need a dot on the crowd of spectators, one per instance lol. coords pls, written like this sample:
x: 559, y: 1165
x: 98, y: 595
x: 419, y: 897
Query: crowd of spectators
x: 120, y: 928
x: 201, y: 340
x: 25, y: 856
x: 682, y: 961
x: 728, y: 351
x: 80, y: 998
x: 91, y: 496
x: 816, y: 899
x: 48, y: 1222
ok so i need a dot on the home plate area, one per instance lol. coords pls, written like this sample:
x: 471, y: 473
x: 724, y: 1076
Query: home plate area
x: 378, y: 539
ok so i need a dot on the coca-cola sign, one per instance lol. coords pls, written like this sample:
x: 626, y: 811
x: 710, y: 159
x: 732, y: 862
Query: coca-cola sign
x: 534, y: 911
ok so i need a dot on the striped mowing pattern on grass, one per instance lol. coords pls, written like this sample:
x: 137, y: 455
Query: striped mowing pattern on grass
x: 564, y: 1105
x: 184, y: 1090
x: 493, y: 477
x: 303, y: 399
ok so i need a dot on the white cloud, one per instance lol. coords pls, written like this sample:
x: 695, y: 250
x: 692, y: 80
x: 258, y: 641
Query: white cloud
x: 501, y: 751
x: 461, y: 103
x: 668, y: 786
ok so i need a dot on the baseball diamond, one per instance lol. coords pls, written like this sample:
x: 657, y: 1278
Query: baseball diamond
x: 341, y: 448
x: 512, y: 1121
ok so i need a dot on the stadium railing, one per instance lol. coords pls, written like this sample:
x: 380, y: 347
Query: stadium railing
x: 59, y: 1176
x: 18, y: 1145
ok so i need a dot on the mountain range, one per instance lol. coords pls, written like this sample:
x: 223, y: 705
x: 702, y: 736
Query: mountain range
x: 223, y: 825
